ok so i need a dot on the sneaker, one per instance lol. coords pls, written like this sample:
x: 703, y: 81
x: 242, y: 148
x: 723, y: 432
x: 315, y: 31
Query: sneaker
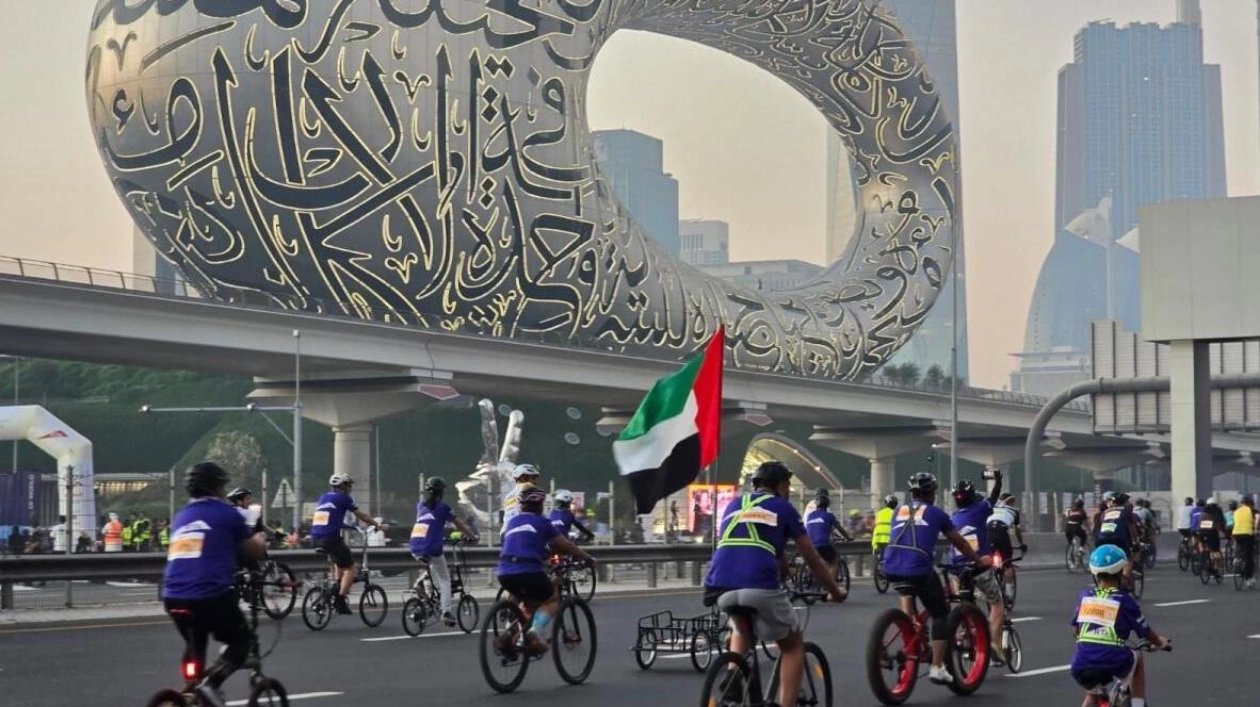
x: 535, y: 646
x: 505, y: 644
x: 1251, y: 584
x: 342, y: 606
x: 939, y: 674
x: 448, y: 618
x: 210, y: 695
x: 997, y: 655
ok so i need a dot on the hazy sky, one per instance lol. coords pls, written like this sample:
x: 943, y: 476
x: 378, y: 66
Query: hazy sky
x: 745, y: 148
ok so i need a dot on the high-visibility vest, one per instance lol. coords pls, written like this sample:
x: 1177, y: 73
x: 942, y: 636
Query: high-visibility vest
x: 127, y: 536
x: 113, y: 536
x: 164, y: 537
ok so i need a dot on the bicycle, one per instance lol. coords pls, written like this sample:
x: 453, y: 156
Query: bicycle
x: 734, y: 680
x: 1009, y: 638
x: 1207, y: 572
x: 273, y: 587
x: 806, y: 584
x: 1075, y: 559
x: 1116, y: 693
x: 425, y: 606
x: 1185, y: 551
x: 263, y: 691
x: 908, y: 647
x: 572, y: 629
x: 318, y: 604
x: 573, y: 577
x: 1009, y: 585
x: 877, y: 573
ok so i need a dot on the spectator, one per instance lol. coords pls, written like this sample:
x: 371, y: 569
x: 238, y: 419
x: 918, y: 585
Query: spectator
x: 59, y: 539
x: 84, y: 544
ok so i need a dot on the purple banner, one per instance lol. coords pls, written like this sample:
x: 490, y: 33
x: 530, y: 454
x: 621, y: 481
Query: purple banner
x: 19, y: 498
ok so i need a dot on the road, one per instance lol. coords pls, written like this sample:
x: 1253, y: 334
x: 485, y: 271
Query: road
x: 1216, y: 632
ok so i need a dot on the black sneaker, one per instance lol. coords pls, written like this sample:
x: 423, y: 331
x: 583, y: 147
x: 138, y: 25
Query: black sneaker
x: 342, y: 606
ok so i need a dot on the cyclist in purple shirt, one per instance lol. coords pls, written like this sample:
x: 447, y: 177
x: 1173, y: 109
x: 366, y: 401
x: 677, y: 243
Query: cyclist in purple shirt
x: 197, y: 588
x: 746, y: 569
x: 326, y: 526
x: 971, y: 520
x: 428, y: 539
x: 909, y: 565
x: 562, y: 517
x: 521, y: 569
x: 820, y: 523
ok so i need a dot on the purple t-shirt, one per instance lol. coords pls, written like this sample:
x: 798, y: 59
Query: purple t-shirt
x: 429, y: 532
x: 330, y: 514
x: 525, y: 544
x: 755, y: 527
x: 916, y: 526
x: 201, y: 559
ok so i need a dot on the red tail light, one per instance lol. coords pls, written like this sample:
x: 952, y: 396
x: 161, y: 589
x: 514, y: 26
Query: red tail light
x: 190, y: 670
x: 997, y: 559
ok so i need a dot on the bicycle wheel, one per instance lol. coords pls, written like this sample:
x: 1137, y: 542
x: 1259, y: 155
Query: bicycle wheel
x: 816, y: 684
x: 415, y: 616
x: 1071, y: 560
x: 503, y: 663
x: 268, y: 692
x: 1183, y: 557
x: 373, y: 605
x: 645, y: 650
x: 467, y: 612
x: 881, y: 581
x: 702, y: 650
x: 1148, y: 557
x: 317, y: 609
x: 1014, y: 648
x: 726, y: 683
x: 279, y: 590
x: 573, y: 641
x: 892, y: 657
x: 1139, y: 583
x: 584, y: 580
x: 168, y: 698
x: 1205, y: 570
x: 843, y: 578
x: 1236, y: 569
x: 500, y: 595
x: 1196, y: 563
x: 1010, y: 586
x: 967, y: 650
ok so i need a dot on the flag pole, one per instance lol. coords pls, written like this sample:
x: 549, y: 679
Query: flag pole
x: 713, y: 505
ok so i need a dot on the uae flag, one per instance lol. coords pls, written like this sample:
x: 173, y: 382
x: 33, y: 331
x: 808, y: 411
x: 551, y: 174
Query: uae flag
x: 674, y: 433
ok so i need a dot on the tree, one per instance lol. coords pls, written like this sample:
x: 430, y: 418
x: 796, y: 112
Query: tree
x: 910, y: 373
x: 935, y: 376
x: 241, y: 455
x: 892, y: 373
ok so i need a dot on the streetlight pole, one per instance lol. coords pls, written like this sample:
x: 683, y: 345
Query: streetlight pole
x: 297, y: 428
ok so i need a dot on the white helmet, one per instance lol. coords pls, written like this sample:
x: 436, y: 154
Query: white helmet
x: 339, y: 480
x: 1212, y: 501
x: 562, y: 496
x: 523, y: 470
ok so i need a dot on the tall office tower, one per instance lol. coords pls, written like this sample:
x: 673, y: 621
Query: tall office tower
x: 146, y: 261
x: 1139, y: 122
x: 634, y: 165
x: 704, y: 241
x: 931, y: 24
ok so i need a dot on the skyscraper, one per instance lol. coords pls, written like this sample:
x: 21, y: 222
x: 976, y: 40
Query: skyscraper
x: 1139, y: 122
x: 634, y: 165
x: 931, y: 24
x: 704, y: 241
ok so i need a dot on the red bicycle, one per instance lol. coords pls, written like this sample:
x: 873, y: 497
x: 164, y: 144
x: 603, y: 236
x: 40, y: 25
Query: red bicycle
x: 899, y: 648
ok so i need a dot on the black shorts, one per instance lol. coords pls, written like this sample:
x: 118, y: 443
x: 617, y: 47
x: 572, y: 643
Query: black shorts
x: 1075, y: 531
x: 1185, y: 532
x: 1211, y: 540
x: 199, y: 619
x: 926, y: 588
x: 1122, y: 543
x: 533, y: 587
x: 1000, y: 540
x: 828, y: 553
x: 337, y: 549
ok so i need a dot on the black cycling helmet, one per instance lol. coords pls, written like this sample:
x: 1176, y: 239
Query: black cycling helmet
x: 531, y: 496
x: 964, y: 493
x: 1233, y: 505
x: 205, y: 479
x: 823, y: 501
x: 922, y: 484
x: 238, y: 493
x: 890, y: 501
x: 1079, y: 504
x: 435, y: 486
x: 1200, y: 502
x: 1007, y: 497
x: 1248, y: 499
x: 1122, y: 498
x: 770, y: 474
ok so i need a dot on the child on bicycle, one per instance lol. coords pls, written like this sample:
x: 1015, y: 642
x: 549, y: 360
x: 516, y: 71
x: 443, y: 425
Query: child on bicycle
x: 521, y: 570
x: 197, y: 583
x: 428, y: 537
x: 1104, y: 619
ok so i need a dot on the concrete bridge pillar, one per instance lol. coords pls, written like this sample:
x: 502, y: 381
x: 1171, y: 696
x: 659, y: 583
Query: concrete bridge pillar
x: 352, y: 454
x: 883, y: 476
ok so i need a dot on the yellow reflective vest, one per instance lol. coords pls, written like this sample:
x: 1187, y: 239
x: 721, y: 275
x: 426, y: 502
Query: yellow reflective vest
x: 881, y: 534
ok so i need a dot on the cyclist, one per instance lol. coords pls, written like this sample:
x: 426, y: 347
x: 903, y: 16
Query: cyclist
x: 908, y: 563
x: 1195, y: 514
x: 562, y: 516
x: 1229, y: 517
x: 1184, y: 526
x: 197, y: 583
x: 1116, y: 527
x: 745, y: 570
x: 1245, y: 539
x: 1005, y: 518
x: 820, y: 523
x: 883, y: 525
x: 1076, y: 523
x: 243, y: 498
x: 521, y: 567
x: 326, y: 527
x: 428, y: 536
x: 1210, y: 530
x: 1105, y: 617
x: 971, y: 521
x: 525, y: 475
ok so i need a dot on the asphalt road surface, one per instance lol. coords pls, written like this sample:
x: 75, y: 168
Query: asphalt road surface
x: 1216, y: 632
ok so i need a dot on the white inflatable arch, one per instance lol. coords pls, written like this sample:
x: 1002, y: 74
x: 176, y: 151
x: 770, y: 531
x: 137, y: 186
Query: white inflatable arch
x: 72, y: 451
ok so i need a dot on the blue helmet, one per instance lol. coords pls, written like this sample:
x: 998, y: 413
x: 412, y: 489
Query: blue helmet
x: 1107, y: 559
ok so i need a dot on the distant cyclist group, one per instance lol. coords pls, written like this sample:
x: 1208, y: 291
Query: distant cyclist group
x: 218, y: 536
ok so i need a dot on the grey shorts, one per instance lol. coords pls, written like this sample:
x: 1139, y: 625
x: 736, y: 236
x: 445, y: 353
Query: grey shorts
x: 987, y: 586
x: 775, y: 617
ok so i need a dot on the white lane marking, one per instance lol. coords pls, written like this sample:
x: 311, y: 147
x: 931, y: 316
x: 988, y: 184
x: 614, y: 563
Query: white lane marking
x: 1039, y: 671
x: 1025, y: 618
x: 674, y: 657
x: 423, y: 635
x: 1183, y: 603
x: 299, y: 696
x: 1255, y: 636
